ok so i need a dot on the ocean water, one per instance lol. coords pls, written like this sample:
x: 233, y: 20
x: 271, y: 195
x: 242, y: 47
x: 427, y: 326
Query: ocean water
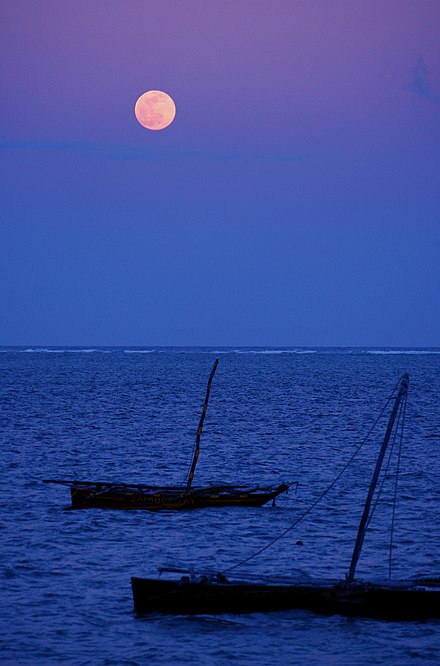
x: 131, y: 414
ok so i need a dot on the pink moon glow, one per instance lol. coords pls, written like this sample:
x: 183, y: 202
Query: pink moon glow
x: 155, y: 110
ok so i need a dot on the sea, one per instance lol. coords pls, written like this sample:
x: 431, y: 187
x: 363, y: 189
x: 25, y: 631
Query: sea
x: 294, y: 415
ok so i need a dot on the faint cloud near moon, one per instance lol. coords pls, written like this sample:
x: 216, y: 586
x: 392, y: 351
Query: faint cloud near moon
x: 421, y: 82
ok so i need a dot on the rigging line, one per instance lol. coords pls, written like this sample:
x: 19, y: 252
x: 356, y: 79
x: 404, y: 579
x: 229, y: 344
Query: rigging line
x: 399, y: 455
x: 321, y: 496
x: 385, y: 472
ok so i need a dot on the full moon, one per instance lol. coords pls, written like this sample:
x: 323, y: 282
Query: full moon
x: 155, y: 110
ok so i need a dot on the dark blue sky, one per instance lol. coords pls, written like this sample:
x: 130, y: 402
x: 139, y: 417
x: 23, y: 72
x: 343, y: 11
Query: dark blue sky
x: 293, y: 201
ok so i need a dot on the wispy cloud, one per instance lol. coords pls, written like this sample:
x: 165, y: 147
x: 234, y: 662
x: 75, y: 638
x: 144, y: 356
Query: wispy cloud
x: 421, y: 82
x: 112, y: 151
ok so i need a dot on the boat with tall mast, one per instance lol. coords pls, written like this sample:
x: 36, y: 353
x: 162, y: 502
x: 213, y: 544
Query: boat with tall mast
x: 116, y: 495
x: 222, y: 593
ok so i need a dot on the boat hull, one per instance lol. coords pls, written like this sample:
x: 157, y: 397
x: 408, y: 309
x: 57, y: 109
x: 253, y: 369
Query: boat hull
x: 387, y: 602
x: 121, y: 496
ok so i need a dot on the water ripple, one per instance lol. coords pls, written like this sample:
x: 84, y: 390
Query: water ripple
x: 272, y: 416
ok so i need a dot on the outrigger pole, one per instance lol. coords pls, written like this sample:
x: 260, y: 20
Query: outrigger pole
x: 366, y: 514
x: 199, y: 429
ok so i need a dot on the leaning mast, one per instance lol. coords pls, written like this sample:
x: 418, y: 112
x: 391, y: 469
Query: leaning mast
x: 199, y: 429
x: 403, y: 389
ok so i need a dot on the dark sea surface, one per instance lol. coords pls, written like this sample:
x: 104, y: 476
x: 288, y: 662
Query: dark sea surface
x: 131, y: 414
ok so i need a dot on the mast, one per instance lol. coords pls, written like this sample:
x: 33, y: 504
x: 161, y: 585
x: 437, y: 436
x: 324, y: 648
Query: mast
x: 199, y: 429
x: 366, y: 514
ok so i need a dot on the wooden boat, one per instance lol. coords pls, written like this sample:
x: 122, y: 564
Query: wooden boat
x: 115, y: 495
x: 219, y: 593
x: 401, y: 600
x: 102, y: 495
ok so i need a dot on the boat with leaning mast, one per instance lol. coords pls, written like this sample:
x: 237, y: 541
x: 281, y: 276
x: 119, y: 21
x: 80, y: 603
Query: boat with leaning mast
x: 116, y: 495
x: 413, y: 599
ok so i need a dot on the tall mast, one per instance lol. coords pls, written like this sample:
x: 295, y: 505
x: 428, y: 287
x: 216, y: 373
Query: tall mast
x: 366, y: 514
x: 199, y: 429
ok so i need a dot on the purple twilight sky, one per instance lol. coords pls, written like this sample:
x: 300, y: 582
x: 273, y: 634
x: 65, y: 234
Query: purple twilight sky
x: 294, y: 201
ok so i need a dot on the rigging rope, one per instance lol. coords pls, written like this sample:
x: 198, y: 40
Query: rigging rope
x: 399, y: 455
x: 385, y: 472
x: 397, y: 435
x: 321, y: 496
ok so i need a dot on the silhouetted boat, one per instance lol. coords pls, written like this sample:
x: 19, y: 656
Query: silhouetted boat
x: 102, y: 495
x: 115, y: 495
x: 400, y: 600
x: 389, y: 600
